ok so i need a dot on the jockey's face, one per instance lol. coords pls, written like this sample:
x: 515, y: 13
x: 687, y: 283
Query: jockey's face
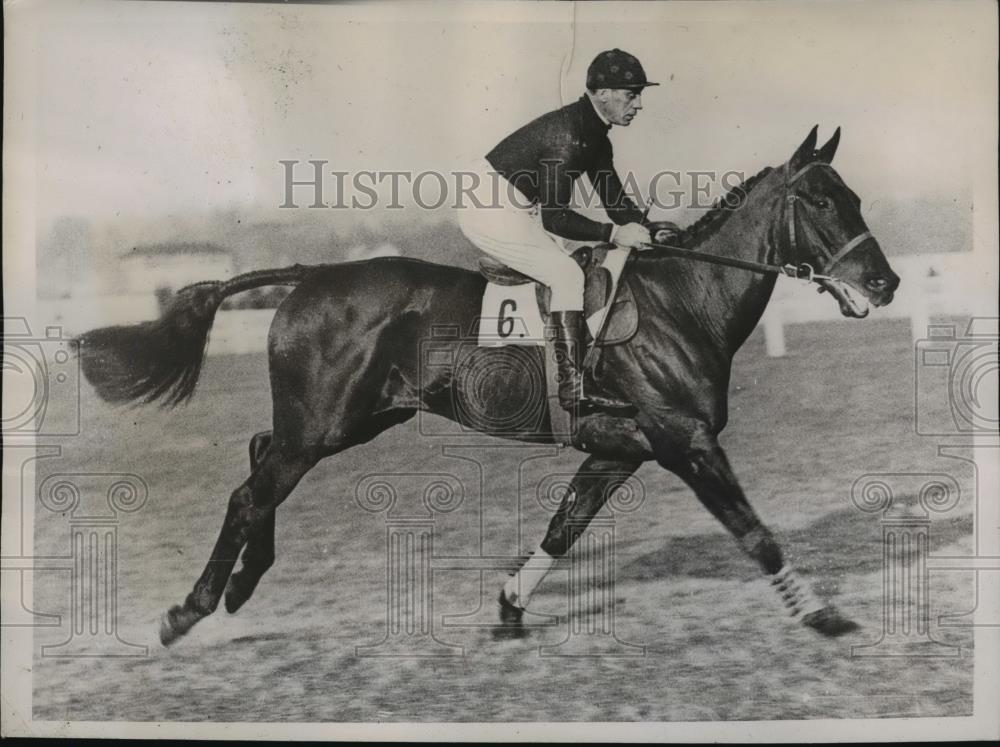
x: 619, y: 105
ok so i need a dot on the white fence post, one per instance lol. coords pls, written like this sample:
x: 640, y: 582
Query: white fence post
x: 923, y: 304
x: 919, y: 317
x: 774, y: 331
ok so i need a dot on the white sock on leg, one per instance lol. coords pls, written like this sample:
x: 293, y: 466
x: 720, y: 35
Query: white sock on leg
x: 522, y: 584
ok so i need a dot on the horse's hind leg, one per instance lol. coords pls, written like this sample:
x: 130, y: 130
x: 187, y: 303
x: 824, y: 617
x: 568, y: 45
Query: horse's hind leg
x: 691, y: 451
x: 258, y: 555
x: 249, y: 506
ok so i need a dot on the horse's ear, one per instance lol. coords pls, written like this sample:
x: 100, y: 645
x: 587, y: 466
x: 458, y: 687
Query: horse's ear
x: 825, y: 153
x: 805, y: 152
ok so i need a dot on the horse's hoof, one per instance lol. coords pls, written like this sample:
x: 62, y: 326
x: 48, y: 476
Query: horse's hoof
x: 830, y: 622
x: 176, y: 622
x: 509, y: 632
x: 234, y: 601
x: 511, y: 621
x: 235, y: 597
x: 169, y: 630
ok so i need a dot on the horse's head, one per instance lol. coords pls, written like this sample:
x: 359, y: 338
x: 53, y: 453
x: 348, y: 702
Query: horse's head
x: 823, y: 228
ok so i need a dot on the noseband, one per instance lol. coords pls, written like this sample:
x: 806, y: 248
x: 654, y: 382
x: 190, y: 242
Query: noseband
x: 832, y: 258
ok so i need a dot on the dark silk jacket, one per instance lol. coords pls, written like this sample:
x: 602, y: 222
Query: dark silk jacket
x: 544, y: 159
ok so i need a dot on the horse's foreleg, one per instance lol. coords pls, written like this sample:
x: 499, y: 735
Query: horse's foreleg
x: 258, y: 555
x: 595, y: 482
x: 694, y: 454
x: 249, y: 508
x: 590, y: 488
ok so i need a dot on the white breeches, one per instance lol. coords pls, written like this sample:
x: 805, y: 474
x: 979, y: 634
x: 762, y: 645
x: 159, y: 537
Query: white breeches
x: 508, y: 230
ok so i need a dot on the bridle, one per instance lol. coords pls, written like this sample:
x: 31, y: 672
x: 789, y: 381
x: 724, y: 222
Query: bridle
x: 831, y: 258
x: 802, y: 270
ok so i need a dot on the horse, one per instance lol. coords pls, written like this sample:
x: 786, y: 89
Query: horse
x: 344, y: 367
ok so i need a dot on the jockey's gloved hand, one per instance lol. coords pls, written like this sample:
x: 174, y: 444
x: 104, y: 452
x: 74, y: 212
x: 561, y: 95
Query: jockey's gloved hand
x: 631, y: 236
x: 663, y: 231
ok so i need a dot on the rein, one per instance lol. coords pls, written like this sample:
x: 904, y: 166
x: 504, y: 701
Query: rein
x: 801, y: 271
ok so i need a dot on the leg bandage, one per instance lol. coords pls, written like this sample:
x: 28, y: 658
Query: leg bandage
x: 795, y: 595
x: 522, y: 584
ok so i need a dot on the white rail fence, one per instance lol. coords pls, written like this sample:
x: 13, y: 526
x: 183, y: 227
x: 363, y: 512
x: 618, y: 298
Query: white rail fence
x: 931, y: 285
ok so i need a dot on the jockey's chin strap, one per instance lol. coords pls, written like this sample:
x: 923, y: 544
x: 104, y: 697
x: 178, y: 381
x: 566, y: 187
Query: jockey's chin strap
x: 801, y: 271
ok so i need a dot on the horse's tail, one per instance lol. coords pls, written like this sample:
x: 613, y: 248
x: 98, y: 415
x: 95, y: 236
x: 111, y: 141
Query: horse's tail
x: 161, y: 360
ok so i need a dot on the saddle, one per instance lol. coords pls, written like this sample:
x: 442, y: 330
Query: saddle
x: 622, y: 319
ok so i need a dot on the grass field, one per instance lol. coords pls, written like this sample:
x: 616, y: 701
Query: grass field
x: 717, y: 645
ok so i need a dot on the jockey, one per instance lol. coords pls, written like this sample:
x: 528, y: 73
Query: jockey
x: 539, y: 164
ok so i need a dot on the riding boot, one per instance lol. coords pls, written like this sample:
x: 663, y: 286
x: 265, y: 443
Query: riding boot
x: 568, y: 347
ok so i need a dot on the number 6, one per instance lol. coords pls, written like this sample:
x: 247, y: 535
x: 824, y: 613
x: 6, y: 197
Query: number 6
x: 505, y: 324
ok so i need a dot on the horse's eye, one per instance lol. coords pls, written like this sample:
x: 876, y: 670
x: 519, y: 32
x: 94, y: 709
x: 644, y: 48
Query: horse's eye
x: 823, y: 203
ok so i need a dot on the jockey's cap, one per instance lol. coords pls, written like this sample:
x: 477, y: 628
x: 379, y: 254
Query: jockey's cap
x: 616, y: 69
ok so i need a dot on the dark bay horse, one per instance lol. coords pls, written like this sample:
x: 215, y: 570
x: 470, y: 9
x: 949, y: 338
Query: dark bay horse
x: 344, y: 365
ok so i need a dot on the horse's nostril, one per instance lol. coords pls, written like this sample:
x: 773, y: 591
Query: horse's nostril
x: 877, y: 283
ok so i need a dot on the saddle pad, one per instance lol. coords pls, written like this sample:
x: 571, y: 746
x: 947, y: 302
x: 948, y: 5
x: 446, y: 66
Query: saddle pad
x: 511, y: 315
x: 614, y: 263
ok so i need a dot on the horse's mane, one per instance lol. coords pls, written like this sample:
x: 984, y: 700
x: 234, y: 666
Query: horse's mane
x: 721, y: 209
